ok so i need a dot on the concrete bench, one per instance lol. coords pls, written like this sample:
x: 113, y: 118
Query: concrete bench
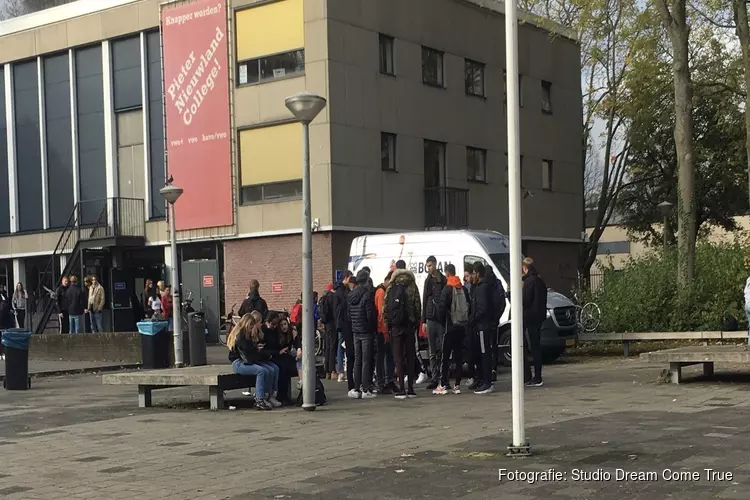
x: 629, y: 337
x: 218, y: 378
x: 698, y: 355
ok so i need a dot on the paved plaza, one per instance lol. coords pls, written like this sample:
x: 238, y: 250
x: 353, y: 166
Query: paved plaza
x: 593, y: 422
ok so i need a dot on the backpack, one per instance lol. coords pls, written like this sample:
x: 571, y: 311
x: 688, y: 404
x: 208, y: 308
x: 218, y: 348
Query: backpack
x: 296, y: 315
x: 459, y: 308
x: 320, y: 394
x: 498, y: 300
x: 398, y: 307
x: 325, y: 309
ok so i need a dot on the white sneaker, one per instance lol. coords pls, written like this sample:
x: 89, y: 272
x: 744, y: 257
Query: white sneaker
x: 355, y: 394
x: 247, y: 393
x: 421, y: 379
x: 456, y: 389
x: 369, y: 395
x: 440, y: 390
x: 341, y: 377
x: 274, y: 402
x: 469, y: 382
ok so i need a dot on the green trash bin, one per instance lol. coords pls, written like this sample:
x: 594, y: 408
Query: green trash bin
x: 16, y: 346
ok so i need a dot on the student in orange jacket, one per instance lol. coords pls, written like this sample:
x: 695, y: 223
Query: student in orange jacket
x: 384, y: 364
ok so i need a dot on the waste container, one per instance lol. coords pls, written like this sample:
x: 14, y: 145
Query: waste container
x: 16, y: 345
x: 155, y: 344
x: 197, y: 335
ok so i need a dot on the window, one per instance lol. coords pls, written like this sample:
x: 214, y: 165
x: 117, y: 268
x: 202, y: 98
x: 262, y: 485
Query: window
x: 476, y: 164
x: 546, y: 98
x: 434, y: 164
x: 388, y: 152
x: 474, y: 78
x: 613, y: 247
x: 386, y: 55
x: 269, y: 163
x: 274, y: 67
x: 432, y: 67
x: 547, y: 175
x: 520, y: 88
x: 271, y: 192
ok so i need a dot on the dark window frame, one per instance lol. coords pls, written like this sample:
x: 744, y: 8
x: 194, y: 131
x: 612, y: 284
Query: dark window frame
x: 547, y: 107
x: 442, y: 162
x: 548, y: 168
x: 258, y: 61
x: 469, y: 84
x: 439, y: 71
x: 471, y: 175
x: 386, y: 49
x: 385, y: 142
x: 295, y: 183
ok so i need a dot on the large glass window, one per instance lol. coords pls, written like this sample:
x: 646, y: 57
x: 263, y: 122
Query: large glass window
x: 474, y: 77
x: 432, y: 67
x: 272, y: 67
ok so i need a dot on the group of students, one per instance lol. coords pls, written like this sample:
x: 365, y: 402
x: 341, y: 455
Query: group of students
x: 264, y: 343
x: 73, y: 302
x: 377, y: 327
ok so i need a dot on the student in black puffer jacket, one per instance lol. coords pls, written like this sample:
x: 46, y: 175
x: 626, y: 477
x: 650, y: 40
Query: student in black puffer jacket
x: 363, y: 320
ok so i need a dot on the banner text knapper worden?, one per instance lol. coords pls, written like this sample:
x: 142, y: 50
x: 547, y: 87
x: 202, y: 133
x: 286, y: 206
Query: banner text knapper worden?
x: 188, y: 99
x: 184, y: 18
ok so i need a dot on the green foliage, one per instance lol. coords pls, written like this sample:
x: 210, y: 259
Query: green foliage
x: 643, y: 296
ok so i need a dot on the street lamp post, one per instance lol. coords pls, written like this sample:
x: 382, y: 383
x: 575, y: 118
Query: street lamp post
x: 171, y: 193
x: 520, y: 446
x: 305, y: 107
x: 666, y: 210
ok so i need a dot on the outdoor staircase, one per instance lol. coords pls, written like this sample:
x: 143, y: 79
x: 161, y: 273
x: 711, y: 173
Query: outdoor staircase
x: 94, y: 224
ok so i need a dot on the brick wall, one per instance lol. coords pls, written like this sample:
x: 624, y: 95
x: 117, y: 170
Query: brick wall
x: 274, y: 259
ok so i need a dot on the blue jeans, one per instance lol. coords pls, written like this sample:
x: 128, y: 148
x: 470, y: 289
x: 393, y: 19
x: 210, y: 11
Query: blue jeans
x: 273, y: 372
x: 74, y: 322
x: 264, y: 376
x: 96, y: 322
x: 340, y: 355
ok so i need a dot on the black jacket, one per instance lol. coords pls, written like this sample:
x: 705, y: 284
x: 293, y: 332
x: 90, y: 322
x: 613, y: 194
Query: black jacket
x: 75, y: 300
x: 433, y: 287
x: 327, y: 309
x: 254, y: 302
x: 482, y: 305
x: 446, y: 303
x: 245, y: 346
x: 534, y: 298
x: 341, y: 308
x: 60, y: 298
x: 362, y: 311
x: 272, y: 342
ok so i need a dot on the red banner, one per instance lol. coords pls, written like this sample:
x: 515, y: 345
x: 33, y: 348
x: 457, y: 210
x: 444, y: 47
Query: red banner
x: 196, y: 90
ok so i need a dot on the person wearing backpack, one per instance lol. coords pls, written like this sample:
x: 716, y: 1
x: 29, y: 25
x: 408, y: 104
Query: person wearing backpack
x: 433, y: 287
x: 453, y: 311
x: 328, y: 318
x: 534, y: 314
x: 384, y: 364
x: 401, y: 312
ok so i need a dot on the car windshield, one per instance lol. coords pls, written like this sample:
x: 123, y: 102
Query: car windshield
x: 501, y: 261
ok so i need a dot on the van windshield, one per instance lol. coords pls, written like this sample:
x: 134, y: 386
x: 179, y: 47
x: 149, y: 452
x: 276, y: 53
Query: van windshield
x: 501, y: 261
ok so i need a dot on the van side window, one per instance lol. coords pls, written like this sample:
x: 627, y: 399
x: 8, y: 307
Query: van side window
x: 469, y: 261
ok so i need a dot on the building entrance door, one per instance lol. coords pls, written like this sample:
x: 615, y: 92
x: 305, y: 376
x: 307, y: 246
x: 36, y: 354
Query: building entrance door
x: 201, y: 277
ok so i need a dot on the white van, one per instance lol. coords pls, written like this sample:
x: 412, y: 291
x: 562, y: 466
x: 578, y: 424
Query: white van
x: 461, y: 248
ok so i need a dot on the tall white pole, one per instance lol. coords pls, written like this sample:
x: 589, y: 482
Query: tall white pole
x: 308, y: 322
x: 177, y: 305
x: 520, y: 446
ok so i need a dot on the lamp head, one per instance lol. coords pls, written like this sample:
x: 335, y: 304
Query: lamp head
x: 171, y: 193
x: 305, y: 106
x: 665, y: 208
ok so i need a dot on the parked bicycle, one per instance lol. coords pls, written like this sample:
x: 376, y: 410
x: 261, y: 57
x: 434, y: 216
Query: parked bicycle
x: 588, y: 315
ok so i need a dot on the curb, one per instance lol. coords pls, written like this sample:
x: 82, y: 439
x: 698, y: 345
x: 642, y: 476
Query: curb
x: 80, y: 371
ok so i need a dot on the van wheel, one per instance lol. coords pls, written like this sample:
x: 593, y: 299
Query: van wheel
x: 503, y: 348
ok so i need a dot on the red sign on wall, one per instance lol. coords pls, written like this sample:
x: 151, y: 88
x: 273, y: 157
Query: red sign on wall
x: 196, y: 90
x: 208, y: 281
x: 277, y: 287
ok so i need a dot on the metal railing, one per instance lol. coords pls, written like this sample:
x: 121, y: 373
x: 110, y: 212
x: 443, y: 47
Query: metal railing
x: 89, y: 220
x: 446, y: 208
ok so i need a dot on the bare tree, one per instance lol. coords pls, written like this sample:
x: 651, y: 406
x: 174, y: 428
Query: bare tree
x: 674, y: 20
x: 15, y: 8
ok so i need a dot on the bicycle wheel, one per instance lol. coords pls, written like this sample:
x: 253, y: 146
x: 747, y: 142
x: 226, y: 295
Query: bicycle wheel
x: 579, y: 324
x: 318, y: 343
x: 591, y: 317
